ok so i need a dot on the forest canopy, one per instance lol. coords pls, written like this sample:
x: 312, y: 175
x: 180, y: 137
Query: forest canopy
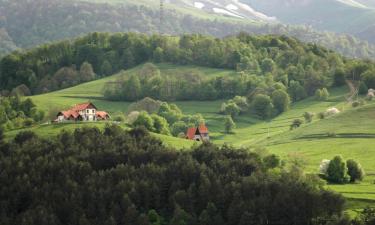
x: 129, y: 178
x: 273, y: 58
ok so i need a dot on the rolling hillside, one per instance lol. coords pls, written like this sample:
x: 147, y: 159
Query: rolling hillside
x: 349, y: 133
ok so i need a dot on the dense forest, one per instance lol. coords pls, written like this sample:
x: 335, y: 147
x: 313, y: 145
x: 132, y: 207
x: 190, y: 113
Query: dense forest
x: 129, y: 178
x: 264, y: 64
x: 25, y: 24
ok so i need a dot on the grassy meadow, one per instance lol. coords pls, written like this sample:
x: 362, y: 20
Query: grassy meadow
x: 351, y: 133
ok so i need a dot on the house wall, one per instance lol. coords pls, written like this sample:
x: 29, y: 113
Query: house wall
x: 88, y: 114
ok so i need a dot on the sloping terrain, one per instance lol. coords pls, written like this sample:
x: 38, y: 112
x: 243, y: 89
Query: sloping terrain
x: 349, y: 133
x: 345, y: 16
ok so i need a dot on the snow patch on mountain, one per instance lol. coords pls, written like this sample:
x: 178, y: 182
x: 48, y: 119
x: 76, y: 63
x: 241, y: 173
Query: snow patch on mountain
x: 226, y: 12
x: 352, y: 3
x: 253, y: 12
x: 231, y: 7
x: 198, y: 5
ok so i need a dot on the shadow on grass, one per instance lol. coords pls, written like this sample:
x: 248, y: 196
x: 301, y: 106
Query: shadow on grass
x: 340, y: 135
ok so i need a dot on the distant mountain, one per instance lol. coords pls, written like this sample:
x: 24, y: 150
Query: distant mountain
x: 25, y: 23
x: 355, y: 17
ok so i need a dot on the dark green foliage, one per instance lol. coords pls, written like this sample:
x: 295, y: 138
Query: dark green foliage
x: 337, y: 171
x: 130, y: 178
x: 363, y: 89
x: 339, y: 78
x: 355, y: 171
x: 272, y: 161
x: 296, y: 124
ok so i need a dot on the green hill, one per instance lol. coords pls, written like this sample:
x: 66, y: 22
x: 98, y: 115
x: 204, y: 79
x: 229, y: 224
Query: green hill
x: 349, y: 133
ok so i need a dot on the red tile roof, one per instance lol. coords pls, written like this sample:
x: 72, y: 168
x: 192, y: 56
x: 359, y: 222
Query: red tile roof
x: 70, y: 113
x: 190, y: 134
x: 203, y: 129
x: 83, y: 106
x: 102, y: 114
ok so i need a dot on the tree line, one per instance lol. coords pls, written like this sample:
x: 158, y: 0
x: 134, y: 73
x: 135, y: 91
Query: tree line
x: 302, y: 68
x: 122, y: 177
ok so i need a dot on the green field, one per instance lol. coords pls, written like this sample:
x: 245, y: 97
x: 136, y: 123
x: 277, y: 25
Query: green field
x: 353, y: 128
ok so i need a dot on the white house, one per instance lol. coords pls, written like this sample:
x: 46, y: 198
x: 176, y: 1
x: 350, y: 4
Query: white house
x: 82, y: 112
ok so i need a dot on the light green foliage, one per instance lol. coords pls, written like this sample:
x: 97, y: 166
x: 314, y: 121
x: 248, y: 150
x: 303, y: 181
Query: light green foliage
x: 355, y: 171
x: 230, y: 108
x: 86, y: 72
x: 229, y: 124
x: 179, y: 127
x: 160, y: 125
x: 262, y: 104
x: 145, y: 120
x: 308, y: 117
x: 280, y: 100
x: 337, y: 171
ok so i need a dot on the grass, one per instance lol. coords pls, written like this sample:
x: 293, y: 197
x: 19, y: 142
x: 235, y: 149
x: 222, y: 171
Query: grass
x: 52, y: 130
x: 353, y: 128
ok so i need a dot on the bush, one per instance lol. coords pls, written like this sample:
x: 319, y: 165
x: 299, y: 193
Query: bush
x: 28, y: 122
x: 179, y: 127
x: 355, y: 171
x: 296, y: 123
x: 321, y: 115
x: 308, y: 117
x: 337, y: 171
x: 272, y: 161
x: 356, y: 104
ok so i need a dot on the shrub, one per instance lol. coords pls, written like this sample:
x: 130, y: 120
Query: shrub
x: 355, y: 104
x: 321, y: 115
x: 337, y: 171
x: 28, y: 122
x: 132, y: 117
x: 308, y: 117
x: 296, y: 123
x: 355, y: 170
x: 272, y: 161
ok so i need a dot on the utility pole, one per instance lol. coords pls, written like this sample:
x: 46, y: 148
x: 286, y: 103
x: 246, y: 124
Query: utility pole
x: 161, y: 21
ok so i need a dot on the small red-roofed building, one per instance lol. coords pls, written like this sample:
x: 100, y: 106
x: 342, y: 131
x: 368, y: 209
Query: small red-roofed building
x: 199, y: 133
x: 82, y: 112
